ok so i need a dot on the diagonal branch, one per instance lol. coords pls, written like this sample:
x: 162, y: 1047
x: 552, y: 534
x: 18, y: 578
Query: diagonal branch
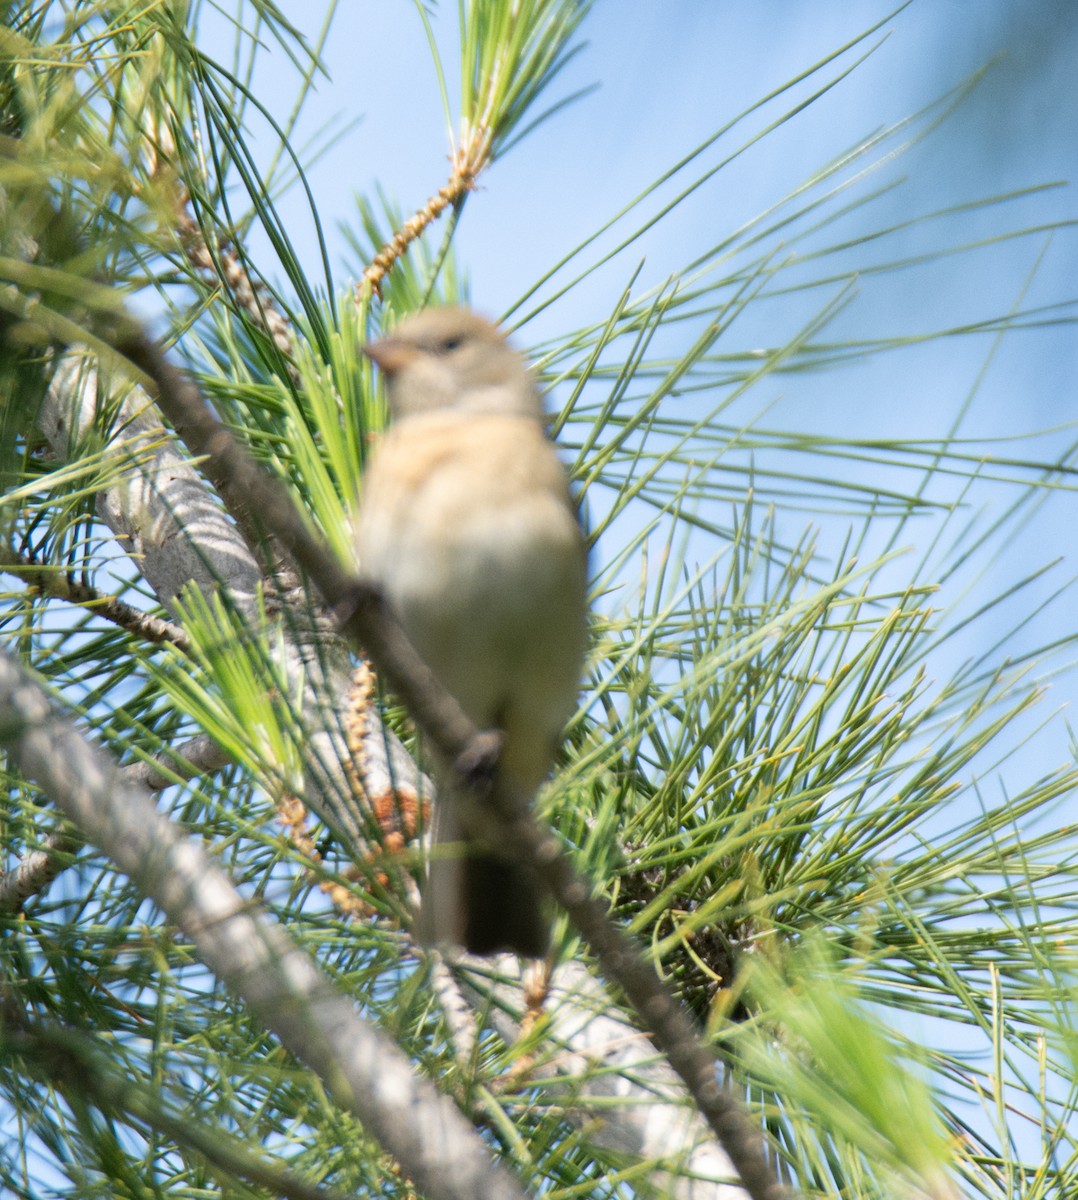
x: 453, y: 192
x: 62, y: 585
x: 494, y: 814
x: 158, y: 511
x: 361, y: 1067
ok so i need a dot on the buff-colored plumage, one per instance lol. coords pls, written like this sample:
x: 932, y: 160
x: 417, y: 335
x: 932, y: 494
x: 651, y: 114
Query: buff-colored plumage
x: 467, y: 524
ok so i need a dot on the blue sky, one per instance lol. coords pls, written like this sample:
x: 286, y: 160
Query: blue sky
x: 669, y: 75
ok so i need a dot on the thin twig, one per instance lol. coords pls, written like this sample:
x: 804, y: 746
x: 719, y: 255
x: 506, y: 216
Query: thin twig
x: 61, y: 585
x: 492, y: 811
x: 460, y: 183
x: 37, y: 869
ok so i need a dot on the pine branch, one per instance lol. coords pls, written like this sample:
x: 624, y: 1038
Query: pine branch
x: 460, y: 183
x: 38, y: 868
x: 384, y: 767
x: 494, y: 813
x: 61, y: 585
x: 362, y: 1069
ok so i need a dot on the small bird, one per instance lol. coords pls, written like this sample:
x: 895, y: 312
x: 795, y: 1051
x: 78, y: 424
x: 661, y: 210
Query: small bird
x: 467, y: 525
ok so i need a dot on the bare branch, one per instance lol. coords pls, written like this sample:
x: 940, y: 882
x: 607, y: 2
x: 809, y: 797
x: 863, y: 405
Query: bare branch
x: 62, y: 585
x: 199, y: 756
x: 494, y: 814
x: 361, y: 1067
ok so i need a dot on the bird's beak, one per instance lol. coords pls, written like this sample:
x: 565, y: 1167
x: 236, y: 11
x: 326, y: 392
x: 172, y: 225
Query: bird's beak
x: 390, y: 353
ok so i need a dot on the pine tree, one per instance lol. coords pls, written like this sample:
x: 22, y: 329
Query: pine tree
x: 216, y: 803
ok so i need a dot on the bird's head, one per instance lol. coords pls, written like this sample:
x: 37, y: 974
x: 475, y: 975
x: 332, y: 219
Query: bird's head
x: 452, y: 359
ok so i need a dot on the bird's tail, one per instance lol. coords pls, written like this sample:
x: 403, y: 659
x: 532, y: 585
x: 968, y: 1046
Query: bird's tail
x: 482, y: 901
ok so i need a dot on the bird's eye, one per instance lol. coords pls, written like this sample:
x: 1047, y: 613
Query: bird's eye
x: 449, y: 344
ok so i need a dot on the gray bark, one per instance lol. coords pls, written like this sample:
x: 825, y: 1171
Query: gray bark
x: 360, y: 1066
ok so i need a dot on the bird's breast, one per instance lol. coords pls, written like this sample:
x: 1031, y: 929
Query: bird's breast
x: 469, y: 528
